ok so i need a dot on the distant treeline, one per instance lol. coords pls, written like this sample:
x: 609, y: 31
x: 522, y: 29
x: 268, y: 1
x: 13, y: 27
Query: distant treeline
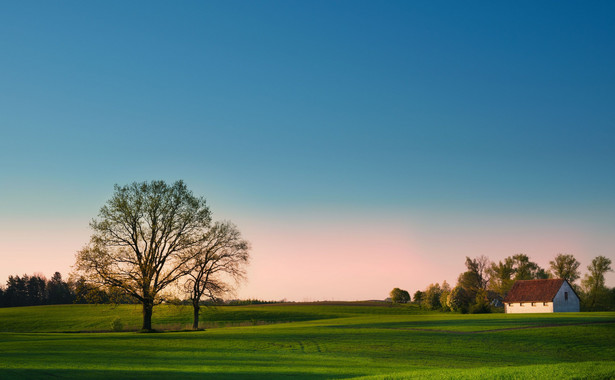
x: 251, y: 302
x: 37, y: 290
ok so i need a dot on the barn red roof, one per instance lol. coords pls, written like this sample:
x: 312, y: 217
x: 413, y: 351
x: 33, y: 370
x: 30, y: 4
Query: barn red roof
x: 534, y: 290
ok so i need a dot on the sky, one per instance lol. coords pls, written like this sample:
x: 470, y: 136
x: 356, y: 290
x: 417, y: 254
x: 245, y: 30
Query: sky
x: 359, y: 146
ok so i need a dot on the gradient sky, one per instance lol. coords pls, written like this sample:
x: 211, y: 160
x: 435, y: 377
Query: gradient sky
x: 359, y: 146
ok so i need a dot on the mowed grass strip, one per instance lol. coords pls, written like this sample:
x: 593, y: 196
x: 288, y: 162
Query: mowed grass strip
x: 345, y: 344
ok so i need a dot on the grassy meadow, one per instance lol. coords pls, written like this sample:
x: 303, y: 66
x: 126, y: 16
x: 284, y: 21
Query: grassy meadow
x: 304, y: 341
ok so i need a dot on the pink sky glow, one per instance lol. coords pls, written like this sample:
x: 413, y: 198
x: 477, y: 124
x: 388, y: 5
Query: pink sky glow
x: 330, y: 257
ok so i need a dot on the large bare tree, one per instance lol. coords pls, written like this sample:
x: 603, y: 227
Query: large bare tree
x: 214, y: 265
x: 141, y: 239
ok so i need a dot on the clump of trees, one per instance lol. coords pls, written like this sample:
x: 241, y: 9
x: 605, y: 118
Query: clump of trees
x: 151, y: 237
x: 25, y: 291
x: 432, y: 297
x: 399, y: 295
x: 484, y: 284
x: 502, y: 275
x: 418, y: 297
x: 37, y: 290
x: 251, y: 302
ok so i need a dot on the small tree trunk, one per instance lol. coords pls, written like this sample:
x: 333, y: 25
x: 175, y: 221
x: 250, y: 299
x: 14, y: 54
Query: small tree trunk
x: 148, y: 308
x: 195, y: 322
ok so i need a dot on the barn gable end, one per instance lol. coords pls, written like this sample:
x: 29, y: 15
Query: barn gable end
x: 566, y: 299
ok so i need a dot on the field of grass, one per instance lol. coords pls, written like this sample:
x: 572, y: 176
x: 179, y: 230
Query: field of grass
x: 304, y: 341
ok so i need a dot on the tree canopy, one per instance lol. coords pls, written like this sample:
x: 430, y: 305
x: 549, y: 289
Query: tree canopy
x: 501, y: 276
x: 525, y: 269
x: 566, y: 267
x: 476, y: 277
x: 399, y: 295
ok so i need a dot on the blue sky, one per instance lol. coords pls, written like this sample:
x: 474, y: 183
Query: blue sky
x: 420, y: 120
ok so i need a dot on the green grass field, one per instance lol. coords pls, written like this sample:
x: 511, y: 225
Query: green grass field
x: 304, y: 341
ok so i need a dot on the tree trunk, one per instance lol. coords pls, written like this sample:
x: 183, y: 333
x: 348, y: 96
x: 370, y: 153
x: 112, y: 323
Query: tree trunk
x: 148, y: 307
x: 195, y: 322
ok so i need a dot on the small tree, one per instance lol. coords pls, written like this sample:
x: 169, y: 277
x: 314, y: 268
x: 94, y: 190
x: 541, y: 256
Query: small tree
x: 431, y: 298
x: 566, y: 267
x: 399, y: 295
x: 418, y: 297
x: 445, y: 291
x: 593, y: 283
x: 477, y: 275
x: 219, y: 260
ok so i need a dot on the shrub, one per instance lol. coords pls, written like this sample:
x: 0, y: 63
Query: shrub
x: 117, y: 324
x: 479, y: 308
x: 457, y: 299
x: 482, y: 304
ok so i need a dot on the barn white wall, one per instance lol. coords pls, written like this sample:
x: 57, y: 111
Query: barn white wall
x: 560, y: 304
x: 526, y: 307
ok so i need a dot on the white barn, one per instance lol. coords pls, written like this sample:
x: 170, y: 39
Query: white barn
x: 541, y: 296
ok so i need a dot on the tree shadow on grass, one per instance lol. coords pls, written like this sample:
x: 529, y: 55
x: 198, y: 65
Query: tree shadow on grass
x: 480, y: 324
x: 7, y: 374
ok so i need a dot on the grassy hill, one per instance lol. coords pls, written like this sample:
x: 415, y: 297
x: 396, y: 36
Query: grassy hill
x: 98, y: 318
x: 314, y: 341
